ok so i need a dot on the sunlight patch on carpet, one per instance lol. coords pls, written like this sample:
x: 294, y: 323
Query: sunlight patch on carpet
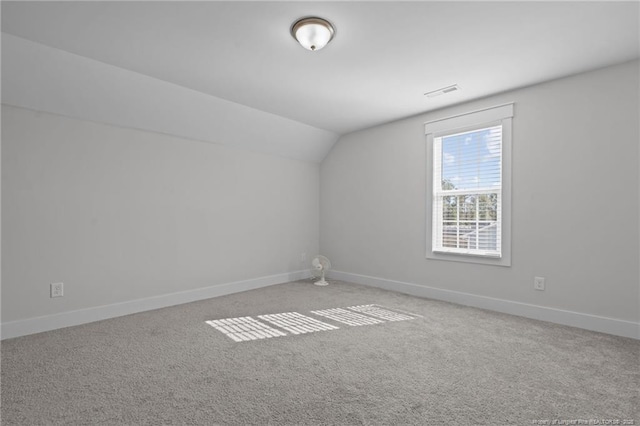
x: 379, y: 312
x: 245, y: 328
x: 296, y: 323
x: 347, y: 317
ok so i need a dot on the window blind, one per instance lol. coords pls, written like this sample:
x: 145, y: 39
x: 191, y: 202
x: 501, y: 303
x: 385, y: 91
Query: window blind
x: 467, y: 191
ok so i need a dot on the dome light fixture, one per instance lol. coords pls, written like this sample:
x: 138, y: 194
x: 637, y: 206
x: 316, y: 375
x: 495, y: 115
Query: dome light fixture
x: 312, y: 33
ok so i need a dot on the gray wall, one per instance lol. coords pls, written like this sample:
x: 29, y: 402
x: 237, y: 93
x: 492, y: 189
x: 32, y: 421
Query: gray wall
x: 119, y: 214
x: 575, y: 199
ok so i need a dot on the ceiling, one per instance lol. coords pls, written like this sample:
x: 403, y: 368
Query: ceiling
x: 384, y: 57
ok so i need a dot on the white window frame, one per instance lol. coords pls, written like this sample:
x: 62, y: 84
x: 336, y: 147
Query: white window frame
x: 501, y: 114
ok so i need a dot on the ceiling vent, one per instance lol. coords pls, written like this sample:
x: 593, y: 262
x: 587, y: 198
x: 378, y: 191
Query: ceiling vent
x: 442, y: 91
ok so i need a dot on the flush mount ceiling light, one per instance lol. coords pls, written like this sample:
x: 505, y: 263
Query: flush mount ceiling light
x: 312, y: 33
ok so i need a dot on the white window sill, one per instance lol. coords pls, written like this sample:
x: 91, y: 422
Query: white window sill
x: 469, y: 258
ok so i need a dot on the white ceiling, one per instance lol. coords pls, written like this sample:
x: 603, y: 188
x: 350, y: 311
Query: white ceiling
x: 384, y: 56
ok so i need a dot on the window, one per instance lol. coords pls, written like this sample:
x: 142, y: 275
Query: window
x: 469, y: 186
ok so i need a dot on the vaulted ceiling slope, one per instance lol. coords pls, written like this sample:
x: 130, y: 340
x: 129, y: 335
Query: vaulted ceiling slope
x: 46, y: 79
x: 229, y: 72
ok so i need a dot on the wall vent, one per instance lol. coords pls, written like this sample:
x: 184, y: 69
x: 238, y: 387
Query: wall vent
x: 442, y: 91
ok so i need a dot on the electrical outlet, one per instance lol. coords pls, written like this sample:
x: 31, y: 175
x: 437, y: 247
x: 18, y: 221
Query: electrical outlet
x: 303, y: 257
x: 57, y: 289
x: 538, y: 283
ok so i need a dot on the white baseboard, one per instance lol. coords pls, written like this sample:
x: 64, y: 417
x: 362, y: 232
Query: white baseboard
x: 575, y: 319
x: 83, y: 316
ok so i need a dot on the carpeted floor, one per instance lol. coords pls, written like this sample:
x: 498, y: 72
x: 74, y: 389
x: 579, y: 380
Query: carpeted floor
x: 454, y: 365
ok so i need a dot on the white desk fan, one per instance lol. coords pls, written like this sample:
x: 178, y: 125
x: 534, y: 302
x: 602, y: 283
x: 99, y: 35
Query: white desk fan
x: 320, y: 265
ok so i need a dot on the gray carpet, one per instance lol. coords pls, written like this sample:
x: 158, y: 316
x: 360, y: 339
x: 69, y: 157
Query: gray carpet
x: 455, y: 365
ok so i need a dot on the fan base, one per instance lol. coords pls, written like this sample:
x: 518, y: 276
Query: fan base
x: 321, y: 283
